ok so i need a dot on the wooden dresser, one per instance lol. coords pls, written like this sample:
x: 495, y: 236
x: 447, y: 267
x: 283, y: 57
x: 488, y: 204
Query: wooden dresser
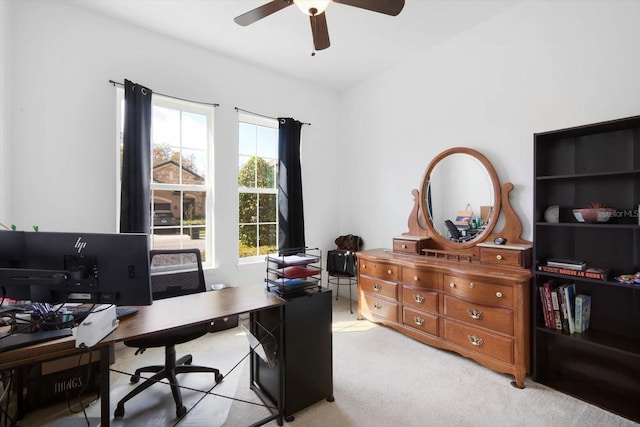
x: 467, y: 293
x: 479, y: 311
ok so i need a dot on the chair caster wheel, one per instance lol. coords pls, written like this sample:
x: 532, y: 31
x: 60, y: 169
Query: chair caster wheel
x: 119, y: 412
x: 134, y: 379
x: 219, y: 378
x: 181, y: 411
x: 188, y: 360
x: 330, y: 399
x: 289, y: 418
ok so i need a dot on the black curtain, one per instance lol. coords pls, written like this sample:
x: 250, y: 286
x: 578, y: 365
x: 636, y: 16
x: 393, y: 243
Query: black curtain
x: 135, y: 210
x: 290, y: 209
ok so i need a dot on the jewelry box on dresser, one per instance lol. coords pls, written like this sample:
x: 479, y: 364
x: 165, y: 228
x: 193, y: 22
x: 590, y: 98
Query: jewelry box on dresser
x: 467, y: 293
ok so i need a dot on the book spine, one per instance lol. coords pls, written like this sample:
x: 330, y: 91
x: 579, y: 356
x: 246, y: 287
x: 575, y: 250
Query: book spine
x: 598, y: 275
x: 583, y: 302
x: 564, y: 311
x: 578, y: 319
x: 549, y: 304
x: 556, y: 309
x: 543, y: 304
x: 586, y: 313
x: 569, y: 293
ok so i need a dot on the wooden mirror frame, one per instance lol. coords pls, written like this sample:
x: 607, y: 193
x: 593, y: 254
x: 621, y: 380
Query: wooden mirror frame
x: 420, y: 225
x: 443, y: 241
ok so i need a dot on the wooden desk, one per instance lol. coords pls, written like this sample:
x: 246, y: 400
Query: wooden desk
x: 161, y: 316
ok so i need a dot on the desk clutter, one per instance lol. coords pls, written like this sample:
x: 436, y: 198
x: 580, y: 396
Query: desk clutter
x: 294, y: 270
x: 32, y: 323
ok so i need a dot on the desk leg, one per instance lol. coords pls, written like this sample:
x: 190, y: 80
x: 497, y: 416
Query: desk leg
x: 105, y: 405
x: 274, y: 393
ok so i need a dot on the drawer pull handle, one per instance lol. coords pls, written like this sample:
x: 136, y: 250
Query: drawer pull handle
x: 472, y: 285
x: 475, y: 340
x: 452, y: 285
x: 498, y: 257
x: 418, y: 320
x: 364, y: 266
x: 389, y: 271
x: 404, y: 246
x: 415, y: 278
x: 418, y: 298
x: 376, y: 287
x: 475, y: 314
x: 377, y: 306
x: 499, y: 294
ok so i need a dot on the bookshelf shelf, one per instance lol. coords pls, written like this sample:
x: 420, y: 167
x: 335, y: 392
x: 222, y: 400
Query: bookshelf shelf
x: 587, y: 226
x: 604, y: 340
x: 573, y: 168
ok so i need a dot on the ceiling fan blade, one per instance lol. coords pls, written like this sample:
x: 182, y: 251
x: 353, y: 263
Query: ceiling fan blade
x: 320, y: 31
x: 388, y: 7
x: 261, y: 12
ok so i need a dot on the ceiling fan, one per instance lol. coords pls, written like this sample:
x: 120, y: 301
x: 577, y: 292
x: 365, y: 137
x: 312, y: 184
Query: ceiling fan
x: 316, y: 11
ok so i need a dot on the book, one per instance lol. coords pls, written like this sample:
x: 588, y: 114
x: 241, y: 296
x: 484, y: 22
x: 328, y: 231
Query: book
x: 549, y: 305
x: 564, y: 316
x: 569, y: 297
x: 583, y: 312
x: 567, y: 263
x: 589, y: 273
x: 555, y: 303
x: 545, y: 308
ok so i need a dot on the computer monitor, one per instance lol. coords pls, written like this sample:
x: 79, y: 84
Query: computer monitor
x: 55, y: 267
x: 11, y: 249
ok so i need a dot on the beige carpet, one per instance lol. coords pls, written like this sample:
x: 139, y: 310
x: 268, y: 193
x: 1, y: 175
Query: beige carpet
x: 381, y: 378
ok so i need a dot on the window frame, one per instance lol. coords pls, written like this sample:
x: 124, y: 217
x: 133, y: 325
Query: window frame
x: 208, y: 185
x: 257, y: 120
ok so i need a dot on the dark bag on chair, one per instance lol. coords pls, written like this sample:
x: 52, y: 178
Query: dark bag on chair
x: 341, y: 262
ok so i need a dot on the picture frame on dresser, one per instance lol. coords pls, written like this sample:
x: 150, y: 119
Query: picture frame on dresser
x: 471, y: 296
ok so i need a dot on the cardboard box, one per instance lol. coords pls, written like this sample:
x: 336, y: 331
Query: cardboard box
x: 62, y: 379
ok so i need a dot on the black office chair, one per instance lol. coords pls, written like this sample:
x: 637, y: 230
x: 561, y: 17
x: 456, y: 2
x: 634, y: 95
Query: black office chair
x: 342, y: 262
x: 456, y: 235
x: 173, y: 273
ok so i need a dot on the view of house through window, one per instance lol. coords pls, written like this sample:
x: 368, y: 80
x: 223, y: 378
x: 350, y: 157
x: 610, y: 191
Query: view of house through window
x: 257, y: 191
x: 181, y: 182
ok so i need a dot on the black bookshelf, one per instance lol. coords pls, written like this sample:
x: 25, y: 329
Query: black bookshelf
x: 575, y: 167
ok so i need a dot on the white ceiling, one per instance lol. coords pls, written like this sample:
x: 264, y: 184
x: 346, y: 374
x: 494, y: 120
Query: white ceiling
x: 363, y: 43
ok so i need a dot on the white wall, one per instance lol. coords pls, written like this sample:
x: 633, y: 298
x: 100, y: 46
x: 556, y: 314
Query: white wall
x: 5, y: 165
x: 538, y: 66
x: 62, y: 117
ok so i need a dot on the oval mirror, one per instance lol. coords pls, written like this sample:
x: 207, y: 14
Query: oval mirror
x: 460, y: 197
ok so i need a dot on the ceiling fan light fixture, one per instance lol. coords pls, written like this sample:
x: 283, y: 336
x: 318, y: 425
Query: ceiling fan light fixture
x: 312, y: 7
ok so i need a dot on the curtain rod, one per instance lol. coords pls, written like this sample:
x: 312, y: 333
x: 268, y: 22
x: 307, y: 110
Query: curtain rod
x: 262, y: 115
x: 169, y: 96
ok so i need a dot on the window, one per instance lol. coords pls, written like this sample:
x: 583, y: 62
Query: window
x: 181, y: 181
x: 257, y: 191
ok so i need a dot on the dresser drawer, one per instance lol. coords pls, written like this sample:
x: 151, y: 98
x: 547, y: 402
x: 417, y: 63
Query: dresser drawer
x: 509, y: 255
x: 410, y: 246
x: 378, y: 287
x: 420, y: 298
x: 478, y: 340
x: 379, y: 270
x: 420, y: 320
x: 421, y: 278
x: 485, y: 293
x: 501, y: 256
x: 379, y: 307
x: 494, y: 318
